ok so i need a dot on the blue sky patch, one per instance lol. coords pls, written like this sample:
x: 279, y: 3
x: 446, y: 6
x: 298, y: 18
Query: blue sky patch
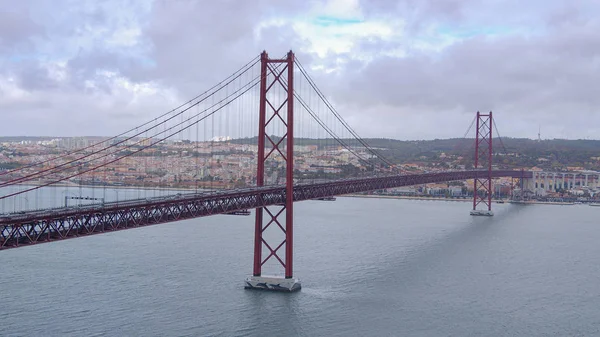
x: 328, y: 21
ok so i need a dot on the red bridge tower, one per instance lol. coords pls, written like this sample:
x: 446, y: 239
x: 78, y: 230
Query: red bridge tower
x: 482, y: 184
x: 280, y: 113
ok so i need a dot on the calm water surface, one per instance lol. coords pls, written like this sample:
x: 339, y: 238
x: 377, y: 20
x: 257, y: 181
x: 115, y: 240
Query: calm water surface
x: 370, y: 267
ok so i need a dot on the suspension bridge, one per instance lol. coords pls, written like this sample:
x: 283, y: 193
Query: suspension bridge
x: 212, y: 155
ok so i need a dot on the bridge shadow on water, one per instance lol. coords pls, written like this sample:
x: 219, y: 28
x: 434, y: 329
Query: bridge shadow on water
x: 395, y: 277
x: 459, y: 234
x: 426, y: 282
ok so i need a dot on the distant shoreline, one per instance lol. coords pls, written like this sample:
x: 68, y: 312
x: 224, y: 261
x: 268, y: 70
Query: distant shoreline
x: 456, y: 199
x: 372, y: 196
x: 404, y: 197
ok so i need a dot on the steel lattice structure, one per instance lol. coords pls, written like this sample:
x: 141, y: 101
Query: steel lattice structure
x: 23, y: 229
x: 271, y: 79
x: 482, y: 184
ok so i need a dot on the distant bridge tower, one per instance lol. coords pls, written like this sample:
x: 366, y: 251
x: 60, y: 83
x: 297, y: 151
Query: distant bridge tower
x: 276, y: 97
x: 482, y: 184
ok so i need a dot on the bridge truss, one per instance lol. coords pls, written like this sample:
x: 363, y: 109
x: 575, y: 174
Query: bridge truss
x: 482, y: 184
x: 63, y: 223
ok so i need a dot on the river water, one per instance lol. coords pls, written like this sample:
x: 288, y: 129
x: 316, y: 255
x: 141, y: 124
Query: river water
x: 369, y: 267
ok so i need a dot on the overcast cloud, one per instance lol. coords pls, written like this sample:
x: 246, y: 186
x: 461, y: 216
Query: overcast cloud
x: 407, y: 69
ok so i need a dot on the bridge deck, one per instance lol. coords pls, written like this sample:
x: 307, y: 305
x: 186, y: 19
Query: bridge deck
x: 26, y: 228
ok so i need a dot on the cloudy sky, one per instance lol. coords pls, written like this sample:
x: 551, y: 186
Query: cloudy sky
x: 404, y: 69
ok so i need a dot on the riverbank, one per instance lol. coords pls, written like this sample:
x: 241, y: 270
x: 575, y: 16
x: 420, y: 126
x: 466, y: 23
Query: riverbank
x: 533, y: 202
x: 561, y: 203
x: 405, y: 197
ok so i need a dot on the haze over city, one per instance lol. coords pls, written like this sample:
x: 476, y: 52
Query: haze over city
x: 396, y: 69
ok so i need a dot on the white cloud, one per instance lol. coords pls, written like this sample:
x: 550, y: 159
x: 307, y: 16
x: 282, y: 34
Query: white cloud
x: 392, y: 66
x: 342, y: 37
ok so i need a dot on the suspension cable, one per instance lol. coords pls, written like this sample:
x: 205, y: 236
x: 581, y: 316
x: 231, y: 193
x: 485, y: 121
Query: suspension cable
x: 338, y: 116
x: 237, y: 94
x: 40, y: 174
x: 247, y: 65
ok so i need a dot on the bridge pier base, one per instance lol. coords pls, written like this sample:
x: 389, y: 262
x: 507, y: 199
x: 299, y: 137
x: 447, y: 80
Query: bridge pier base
x: 482, y: 212
x: 273, y: 283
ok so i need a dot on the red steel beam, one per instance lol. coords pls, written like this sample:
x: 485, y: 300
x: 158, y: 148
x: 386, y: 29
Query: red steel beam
x: 260, y: 175
x: 289, y: 179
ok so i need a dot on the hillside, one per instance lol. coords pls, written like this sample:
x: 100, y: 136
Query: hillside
x: 554, y: 154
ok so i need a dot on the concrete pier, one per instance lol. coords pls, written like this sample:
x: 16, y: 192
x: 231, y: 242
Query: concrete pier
x: 272, y: 283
